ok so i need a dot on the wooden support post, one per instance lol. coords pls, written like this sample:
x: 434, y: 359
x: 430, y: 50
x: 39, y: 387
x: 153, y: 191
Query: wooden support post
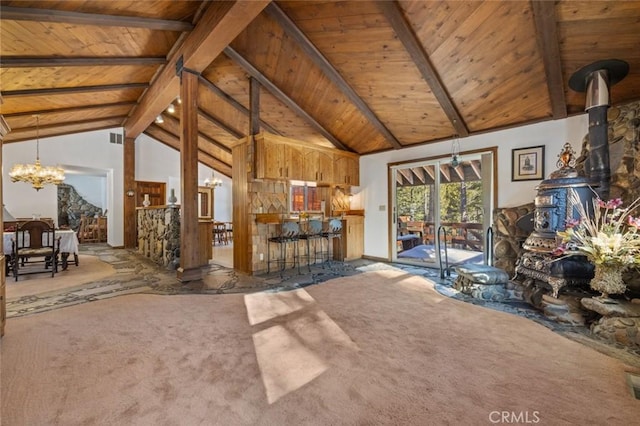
x: 4, y: 129
x: 129, y: 181
x: 189, y: 269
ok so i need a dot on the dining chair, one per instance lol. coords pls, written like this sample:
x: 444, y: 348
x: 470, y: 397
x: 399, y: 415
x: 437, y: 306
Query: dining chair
x: 88, y: 230
x: 220, y: 233
x: 35, y: 249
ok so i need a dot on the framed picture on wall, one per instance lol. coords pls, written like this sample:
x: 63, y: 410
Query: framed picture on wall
x: 527, y: 163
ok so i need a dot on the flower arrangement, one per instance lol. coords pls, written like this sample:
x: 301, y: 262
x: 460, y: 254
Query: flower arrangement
x: 607, y: 235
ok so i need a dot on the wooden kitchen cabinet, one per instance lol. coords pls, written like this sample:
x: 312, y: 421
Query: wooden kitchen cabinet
x: 278, y: 160
x: 281, y: 158
x: 352, y: 239
x: 346, y: 170
x: 318, y: 166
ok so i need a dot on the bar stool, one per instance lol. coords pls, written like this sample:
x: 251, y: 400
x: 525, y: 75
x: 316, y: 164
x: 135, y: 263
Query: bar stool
x: 313, y: 233
x: 289, y: 234
x: 333, y: 231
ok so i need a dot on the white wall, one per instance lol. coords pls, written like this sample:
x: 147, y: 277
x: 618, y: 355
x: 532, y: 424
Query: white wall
x: 83, y: 150
x: 157, y: 162
x: 373, y: 195
x: 92, y: 188
x: 92, y: 150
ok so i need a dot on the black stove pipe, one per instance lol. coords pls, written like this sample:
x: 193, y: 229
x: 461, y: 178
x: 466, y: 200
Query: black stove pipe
x: 599, y: 167
x: 595, y: 79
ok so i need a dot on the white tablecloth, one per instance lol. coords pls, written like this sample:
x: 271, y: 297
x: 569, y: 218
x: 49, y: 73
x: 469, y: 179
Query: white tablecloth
x: 68, y: 241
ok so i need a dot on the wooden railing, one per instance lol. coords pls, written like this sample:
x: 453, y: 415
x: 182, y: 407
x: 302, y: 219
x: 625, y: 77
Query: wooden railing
x: 462, y: 235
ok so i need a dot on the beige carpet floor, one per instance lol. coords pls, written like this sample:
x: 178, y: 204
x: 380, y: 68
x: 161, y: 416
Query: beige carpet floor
x: 89, y: 269
x: 376, y: 348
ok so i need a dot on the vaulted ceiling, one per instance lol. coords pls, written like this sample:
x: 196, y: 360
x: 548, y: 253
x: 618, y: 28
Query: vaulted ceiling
x: 360, y: 76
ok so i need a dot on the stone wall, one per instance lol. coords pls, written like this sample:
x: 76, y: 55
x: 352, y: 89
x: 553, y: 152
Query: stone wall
x: 624, y: 158
x: 508, y: 237
x: 71, y: 206
x: 159, y: 233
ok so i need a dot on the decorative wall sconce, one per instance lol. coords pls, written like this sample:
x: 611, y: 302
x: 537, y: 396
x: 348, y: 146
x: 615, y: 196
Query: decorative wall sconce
x: 131, y: 193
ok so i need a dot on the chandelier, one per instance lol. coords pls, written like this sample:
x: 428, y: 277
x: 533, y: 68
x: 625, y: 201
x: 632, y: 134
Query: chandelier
x: 35, y: 174
x: 213, y: 182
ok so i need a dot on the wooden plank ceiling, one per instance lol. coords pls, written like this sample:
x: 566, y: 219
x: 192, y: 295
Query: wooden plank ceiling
x: 355, y: 75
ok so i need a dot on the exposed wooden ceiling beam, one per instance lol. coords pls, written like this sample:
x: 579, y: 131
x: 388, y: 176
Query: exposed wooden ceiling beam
x: 66, y: 124
x: 216, y: 143
x: 459, y: 171
x: 544, y: 18
x: 235, y: 104
x: 172, y: 141
x: 63, y: 133
x: 475, y: 166
x: 445, y: 171
x: 224, y: 126
x: 407, y: 174
x: 430, y: 171
x: 329, y: 70
x: 38, y: 62
x: 216, y: 164
x: 419, y: 172
x: 281, y: 96
x: 70, y: 109
x: 219, y: 25
x: 70, y: 90
x: 4, y: 126
x: 49, y: 15
x: 393, y: 13
x: 200, y: 134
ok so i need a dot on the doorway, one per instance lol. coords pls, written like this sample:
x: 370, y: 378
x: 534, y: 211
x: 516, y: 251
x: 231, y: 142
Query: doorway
x: 436, y: 203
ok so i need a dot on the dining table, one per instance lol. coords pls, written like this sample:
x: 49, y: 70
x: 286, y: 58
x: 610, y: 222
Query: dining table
x: 68, y: 244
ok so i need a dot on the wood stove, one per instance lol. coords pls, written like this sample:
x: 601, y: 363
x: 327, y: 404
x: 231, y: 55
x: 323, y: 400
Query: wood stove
x: 552, y: 209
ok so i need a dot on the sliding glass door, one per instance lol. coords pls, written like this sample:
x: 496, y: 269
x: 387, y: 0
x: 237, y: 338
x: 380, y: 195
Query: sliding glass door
x: 437, y: 202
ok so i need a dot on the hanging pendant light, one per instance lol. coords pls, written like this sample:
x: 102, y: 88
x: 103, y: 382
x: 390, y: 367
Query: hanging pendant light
x: 455, y: 152
x: 35, y: 174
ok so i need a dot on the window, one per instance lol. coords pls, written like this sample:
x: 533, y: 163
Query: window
x: 304, y: 197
